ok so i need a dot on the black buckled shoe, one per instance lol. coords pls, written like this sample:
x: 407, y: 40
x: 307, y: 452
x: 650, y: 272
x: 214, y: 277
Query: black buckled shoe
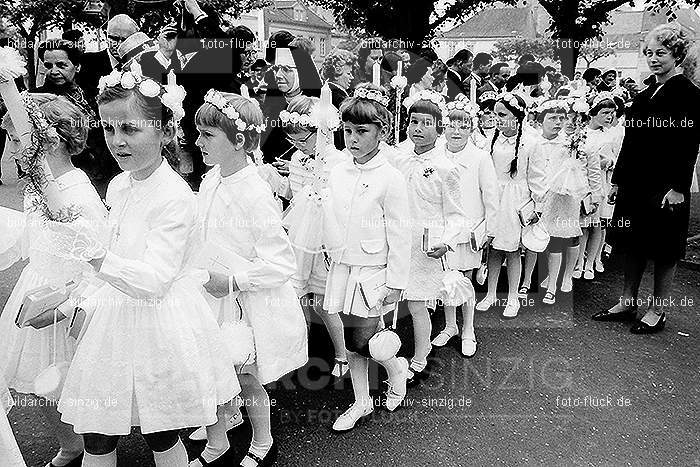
x: 627, y: 315
x: 640, y: 327
x: 251, y: 459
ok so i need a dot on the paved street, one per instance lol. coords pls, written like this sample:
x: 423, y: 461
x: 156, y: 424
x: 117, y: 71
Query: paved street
x: 551, y: 387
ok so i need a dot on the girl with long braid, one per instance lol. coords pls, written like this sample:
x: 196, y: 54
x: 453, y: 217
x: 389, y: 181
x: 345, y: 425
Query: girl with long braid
x: 521, y: 178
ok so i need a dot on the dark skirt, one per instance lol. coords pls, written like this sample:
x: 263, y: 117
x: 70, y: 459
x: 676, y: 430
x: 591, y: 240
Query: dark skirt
x: 642, y: 227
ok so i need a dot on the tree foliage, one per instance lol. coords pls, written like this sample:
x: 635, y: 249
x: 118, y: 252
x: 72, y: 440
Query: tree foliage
x: 412, y: 21
x: 591, y: 54
x: 512, y: 49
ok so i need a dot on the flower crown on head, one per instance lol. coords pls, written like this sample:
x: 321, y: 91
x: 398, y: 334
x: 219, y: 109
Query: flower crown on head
x: 553, y: 104
x: 372, y: 95
x: 512, y: 100
x: 171, y: 95
x: 463, y: 104
x: 219, y: 100
x: 487, y: 96
x: 312, y: 120
x: 426, y: 95
x: 602, y: 96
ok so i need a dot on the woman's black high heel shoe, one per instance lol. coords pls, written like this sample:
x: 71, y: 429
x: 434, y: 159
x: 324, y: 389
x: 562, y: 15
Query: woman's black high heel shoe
x: 641, y: 327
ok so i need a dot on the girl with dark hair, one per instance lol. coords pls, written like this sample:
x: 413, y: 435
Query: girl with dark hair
x: 521, y: 177
x: 374, y: 239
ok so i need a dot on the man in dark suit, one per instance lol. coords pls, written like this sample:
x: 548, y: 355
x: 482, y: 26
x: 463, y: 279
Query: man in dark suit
x: 480, y: 71
x: 459, y: 67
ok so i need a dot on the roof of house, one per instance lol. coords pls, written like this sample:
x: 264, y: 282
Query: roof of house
x: 496, y: 22
x: 283, y: 11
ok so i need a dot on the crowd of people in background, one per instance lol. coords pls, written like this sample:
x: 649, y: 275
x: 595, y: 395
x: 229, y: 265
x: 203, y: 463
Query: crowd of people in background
x: 380, y: 169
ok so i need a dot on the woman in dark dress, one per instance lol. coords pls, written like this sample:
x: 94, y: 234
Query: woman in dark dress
x: 339, y: 70
x: 651, y: 182
x: 294, y: 73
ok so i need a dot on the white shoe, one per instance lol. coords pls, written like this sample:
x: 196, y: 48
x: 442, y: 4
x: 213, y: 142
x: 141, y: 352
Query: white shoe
x: 350, y: 417
x: 486, y: 303
x: 444, y: 336
x: 577, y: 273
x: 200, y: 434
x: 396, y: 394
x: 468, y: 346
x: 340, y: 368
x: 549, y: 298
x: 567, y: 285
x: 599, y: 266
x: 588, y: 275
x: 511, y: 309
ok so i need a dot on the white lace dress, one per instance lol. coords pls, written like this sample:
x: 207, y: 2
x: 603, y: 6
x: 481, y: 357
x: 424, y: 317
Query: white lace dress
x: 307, y: 184
x: 527, y: 183
x: 152, y: 355
x: 435, y: 202
x: 26, y: 352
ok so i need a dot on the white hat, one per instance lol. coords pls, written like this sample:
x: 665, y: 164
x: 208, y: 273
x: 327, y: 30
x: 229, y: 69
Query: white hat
x: 535, y: 237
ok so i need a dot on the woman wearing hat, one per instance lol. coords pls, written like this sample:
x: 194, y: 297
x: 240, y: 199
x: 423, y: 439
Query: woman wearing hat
x: 652, y: 196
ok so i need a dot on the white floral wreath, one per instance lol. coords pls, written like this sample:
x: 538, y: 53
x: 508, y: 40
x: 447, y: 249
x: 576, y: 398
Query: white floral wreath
x: 601, y: 96
x: 218, y: 100
x: 295, y: 118
x: 486, y: 96
x: 372, y: 95
x: 318, y: 114
x: 553, y: 104
x: 513, y: 101
x: 171, y: 95
x: 465, y: 105
x: 426, y: 95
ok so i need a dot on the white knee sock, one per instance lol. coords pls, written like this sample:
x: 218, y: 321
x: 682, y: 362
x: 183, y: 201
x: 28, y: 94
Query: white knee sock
x: 359, y: 374
x: 176, y: 456
x: 103, y: 460
x: 258, y: 409
x: 468, y: 320
x: 217, y: 440
x: 450, y: 318
x: 393, y: 370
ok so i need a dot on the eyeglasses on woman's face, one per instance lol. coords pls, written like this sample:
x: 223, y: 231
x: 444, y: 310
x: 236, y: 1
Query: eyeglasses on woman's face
x: 298, y: 142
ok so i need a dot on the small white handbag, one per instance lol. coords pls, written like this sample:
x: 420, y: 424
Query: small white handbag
x: 237, y: 334
x: 385, y: 343
x: 49, y: 383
